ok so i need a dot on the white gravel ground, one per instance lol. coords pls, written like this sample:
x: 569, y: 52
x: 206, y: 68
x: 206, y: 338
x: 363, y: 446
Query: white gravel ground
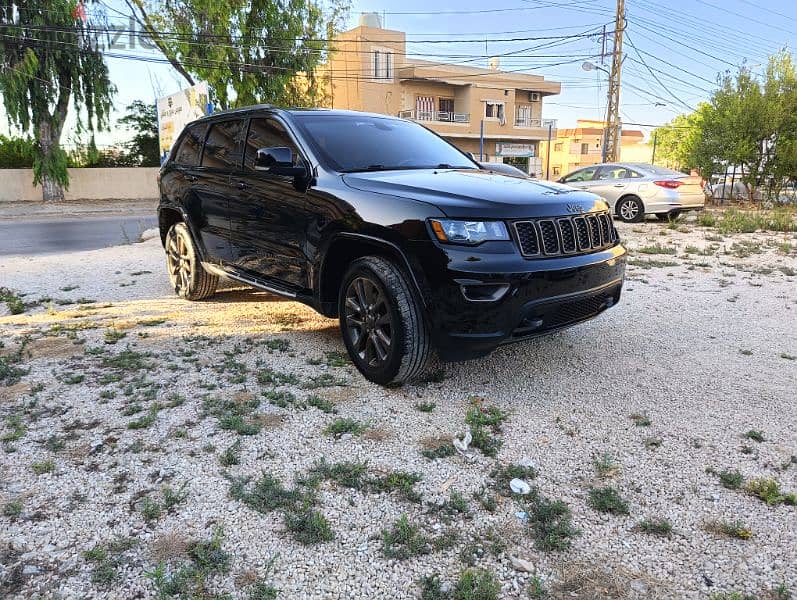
x: 705, y: 349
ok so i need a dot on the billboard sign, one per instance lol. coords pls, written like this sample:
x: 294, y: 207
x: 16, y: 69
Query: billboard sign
x: 512, y: 149
x: 176, y: 111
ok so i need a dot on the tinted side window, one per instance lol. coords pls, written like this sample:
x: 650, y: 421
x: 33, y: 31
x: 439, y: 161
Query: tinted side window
x: 191, y: 146
x: 223, y: 145
x: 267, y: 133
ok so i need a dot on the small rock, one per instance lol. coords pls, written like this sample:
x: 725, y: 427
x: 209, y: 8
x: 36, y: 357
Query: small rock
x: 521, y: 565
x: 518, y: 486
x: 67, y: 565
x: 29, y: 570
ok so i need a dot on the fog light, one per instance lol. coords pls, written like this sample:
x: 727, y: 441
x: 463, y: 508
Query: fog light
x: 484, y: 292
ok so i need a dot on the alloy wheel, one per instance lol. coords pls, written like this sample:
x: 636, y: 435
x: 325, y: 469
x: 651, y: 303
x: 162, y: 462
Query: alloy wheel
x: 629, y: 210
x: 178, y: 261
x: 368, y: 322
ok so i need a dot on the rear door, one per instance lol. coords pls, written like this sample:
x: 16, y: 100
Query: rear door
x: 612, y: 181
x: 269, y: 214
x: 207, y: 214
x: 222, y: 154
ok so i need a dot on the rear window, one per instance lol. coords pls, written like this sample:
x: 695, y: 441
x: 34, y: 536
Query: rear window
x: 191, y: 146
x: 653, y: 169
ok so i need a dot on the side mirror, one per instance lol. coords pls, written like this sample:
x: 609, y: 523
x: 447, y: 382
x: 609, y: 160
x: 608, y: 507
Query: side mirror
x: 278, y: 161
x: 560, y: 180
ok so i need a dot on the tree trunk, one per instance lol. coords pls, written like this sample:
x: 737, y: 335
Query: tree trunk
x: 52, y: 190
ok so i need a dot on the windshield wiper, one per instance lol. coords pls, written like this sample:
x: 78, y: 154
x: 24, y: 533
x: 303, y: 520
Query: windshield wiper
x: 404, y: 168
x: 381, y: 168
x: 447, y: 166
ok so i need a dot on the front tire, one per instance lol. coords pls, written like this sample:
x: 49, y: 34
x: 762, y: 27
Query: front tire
x: 382, y: 322
x: 188, y: 278
x: 630, y: 209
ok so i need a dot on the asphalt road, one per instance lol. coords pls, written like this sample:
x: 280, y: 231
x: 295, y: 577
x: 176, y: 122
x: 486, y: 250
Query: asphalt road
x: 52, y: 236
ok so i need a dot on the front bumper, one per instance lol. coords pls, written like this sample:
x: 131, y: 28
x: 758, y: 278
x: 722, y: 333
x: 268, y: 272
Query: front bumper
x: 476, y: 303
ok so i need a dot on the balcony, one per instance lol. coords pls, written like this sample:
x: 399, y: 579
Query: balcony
x: 528, y: 122
x: 436, y: 116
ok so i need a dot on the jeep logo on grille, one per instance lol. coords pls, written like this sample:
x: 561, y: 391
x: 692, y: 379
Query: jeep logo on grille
x: 575, y: 208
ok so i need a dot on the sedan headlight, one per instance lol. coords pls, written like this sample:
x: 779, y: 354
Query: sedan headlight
x: 454, y: 231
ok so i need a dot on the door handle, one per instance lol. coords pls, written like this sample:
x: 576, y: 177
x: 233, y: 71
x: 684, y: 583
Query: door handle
x: 242, y: 185
x: 619, y: 185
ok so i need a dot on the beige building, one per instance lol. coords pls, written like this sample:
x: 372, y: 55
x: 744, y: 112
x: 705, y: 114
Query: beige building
x: 582, y: 146
x: 370, y: 71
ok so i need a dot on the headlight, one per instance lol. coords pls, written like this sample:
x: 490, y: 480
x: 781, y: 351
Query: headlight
x: 454, y: 231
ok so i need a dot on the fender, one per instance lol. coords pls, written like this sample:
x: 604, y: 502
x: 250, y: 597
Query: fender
x: 198, y: 247
x: 375, y: 241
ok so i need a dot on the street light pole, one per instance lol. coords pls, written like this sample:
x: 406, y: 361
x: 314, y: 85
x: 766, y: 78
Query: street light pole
x: 548, y: 159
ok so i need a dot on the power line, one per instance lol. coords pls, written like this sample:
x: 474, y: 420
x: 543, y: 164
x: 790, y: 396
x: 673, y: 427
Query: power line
x: 664, y: 87
x: 210, y: 37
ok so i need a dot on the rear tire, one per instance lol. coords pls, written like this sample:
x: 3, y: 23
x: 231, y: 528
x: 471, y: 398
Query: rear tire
x: 630, y: 209
x: 188, y: 278
x: 382, y: 322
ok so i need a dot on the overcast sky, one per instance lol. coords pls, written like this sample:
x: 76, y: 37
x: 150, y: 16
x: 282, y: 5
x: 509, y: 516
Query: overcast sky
x: 674, y: 49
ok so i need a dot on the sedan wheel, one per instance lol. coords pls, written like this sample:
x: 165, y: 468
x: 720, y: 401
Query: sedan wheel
x: 630, y: 210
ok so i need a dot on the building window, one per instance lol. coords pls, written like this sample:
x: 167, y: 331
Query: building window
x: 382, y: 63
x: 557, y: 147
x: 494, y: 110
x: 585, y: 148
x: 556, y: 170
x: 523, y: 117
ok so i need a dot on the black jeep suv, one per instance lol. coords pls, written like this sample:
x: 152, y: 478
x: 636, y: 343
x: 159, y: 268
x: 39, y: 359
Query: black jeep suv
x: 382, y: 223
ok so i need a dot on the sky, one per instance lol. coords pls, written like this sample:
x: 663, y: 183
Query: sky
x: 674, y: 50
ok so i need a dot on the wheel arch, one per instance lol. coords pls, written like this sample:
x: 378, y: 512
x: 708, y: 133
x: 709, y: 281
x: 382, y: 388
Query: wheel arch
x: 347, y: 247
x: 167, y: 218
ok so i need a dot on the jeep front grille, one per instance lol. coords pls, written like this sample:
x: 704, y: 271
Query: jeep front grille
x: 566, y: 235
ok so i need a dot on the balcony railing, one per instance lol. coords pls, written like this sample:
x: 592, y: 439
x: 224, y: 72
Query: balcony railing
x: 438, y: 116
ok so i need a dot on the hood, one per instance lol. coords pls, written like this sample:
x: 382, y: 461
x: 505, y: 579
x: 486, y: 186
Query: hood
x: 472, y: 194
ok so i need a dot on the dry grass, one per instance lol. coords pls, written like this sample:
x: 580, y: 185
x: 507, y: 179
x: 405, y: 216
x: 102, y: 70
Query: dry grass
x: 169, y: 546
x: 376, y: 434
x: 582, y: 581
x: 271, y: 420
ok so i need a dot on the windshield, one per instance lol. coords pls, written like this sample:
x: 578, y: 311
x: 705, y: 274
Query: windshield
x: 350, y: 143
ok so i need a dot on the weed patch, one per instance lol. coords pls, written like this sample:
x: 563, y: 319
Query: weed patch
x: 733, y: 529
x: 655, y: 526
x: 607, y: 500
x: 341, y: 427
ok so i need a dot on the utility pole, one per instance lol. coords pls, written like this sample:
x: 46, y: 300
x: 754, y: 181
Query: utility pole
x: 611, y: 145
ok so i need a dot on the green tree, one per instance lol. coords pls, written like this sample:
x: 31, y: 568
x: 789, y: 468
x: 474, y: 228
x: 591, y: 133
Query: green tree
x: 51, y: 60
x: 249, y: 51
x: 16, y: 153
x: 748, y: 122
x: 142, y: 119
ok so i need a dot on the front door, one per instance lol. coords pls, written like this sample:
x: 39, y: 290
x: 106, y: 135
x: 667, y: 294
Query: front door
x: 582, y: 179
x: 269, y: 214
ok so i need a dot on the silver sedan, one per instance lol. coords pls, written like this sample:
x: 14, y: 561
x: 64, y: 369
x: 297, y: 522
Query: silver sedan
x: 635, y: 189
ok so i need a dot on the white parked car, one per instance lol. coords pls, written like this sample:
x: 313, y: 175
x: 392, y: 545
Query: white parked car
x: 634, y: 190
